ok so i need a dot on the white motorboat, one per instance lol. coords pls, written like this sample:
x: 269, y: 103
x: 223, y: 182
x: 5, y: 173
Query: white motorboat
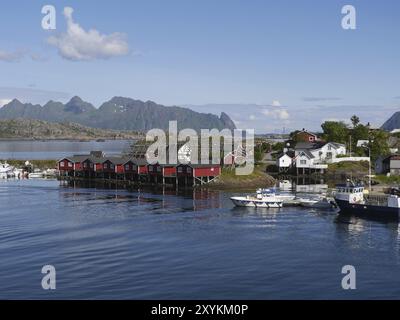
x: 321, y: 202
x: 285, y: 185
x: 6, y: 171
x: 5, y: 168
x: 50, y: 173
x: 264, y: 198
x: 36, y: 174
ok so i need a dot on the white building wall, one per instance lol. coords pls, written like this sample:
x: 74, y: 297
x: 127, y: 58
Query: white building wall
x: 352, y: 159
x: 285, y: 161
x: 328, y: 151
x: 306, y: 161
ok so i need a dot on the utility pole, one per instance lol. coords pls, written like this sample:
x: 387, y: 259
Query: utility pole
x: 369, y: 173
x: 350, y: 145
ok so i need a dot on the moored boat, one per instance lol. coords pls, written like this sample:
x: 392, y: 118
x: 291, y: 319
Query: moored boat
x: 350, y: 199
x: 264, y: 198
x: 36, y: 174
x: 320, y: 202
x: 6, y: 171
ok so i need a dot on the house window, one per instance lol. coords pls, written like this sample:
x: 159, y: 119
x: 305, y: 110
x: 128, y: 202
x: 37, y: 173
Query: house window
x: 180, y: 169
x: 112, y: 166
x: 303, y: 161
x: 329, y: 147
x: 62, y: 164
x: 106, y: 166
x: 329, y: 155
x: 69, y: 164
x: 127, y: 167
x: 158, y: 169
x: 150, y: 168
x: 85, y: 165
x: 189, y: 170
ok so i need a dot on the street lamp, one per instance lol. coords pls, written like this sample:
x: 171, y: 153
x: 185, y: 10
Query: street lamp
x: 366, y: 144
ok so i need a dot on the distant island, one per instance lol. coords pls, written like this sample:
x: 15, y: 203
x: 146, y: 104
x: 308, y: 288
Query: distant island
x: 25, y: 129
x: 119, y: 113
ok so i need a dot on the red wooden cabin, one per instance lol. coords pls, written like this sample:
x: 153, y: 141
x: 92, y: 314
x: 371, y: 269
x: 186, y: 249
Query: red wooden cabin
x: 205, y: 170
x: 65, y: 165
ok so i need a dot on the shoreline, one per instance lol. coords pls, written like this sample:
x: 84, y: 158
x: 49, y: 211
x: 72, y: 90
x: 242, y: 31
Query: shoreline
x: 67, y: 139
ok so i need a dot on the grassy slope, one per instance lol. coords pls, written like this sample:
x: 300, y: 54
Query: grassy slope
x: 348, y: 168
x: 258, y: 179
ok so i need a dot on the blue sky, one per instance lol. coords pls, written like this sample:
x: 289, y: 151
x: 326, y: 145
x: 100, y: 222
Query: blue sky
x: 269, y: 64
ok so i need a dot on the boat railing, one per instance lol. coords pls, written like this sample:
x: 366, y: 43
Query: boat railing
x: 376, y: 199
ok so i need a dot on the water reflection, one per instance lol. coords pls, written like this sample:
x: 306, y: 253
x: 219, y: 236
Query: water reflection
x: 360, y: 225
x: 164, y: 197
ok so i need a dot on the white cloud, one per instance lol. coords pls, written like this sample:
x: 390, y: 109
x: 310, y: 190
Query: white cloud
x: 276, y: 103
x: 280, y: 114
x: 9, y: 56
x: 78, y: 44
x: 252, y: 117
x: 32, y: 95
x: 4, y: 102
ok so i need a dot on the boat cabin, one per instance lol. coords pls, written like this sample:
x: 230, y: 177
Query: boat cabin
x: 350, y: 193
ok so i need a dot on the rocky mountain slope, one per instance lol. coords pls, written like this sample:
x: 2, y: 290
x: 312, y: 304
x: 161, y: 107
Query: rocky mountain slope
x: 119, y: 113
x: 42, y: 130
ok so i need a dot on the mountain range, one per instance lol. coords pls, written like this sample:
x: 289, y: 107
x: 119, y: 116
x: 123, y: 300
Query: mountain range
x: 392, y: 123
x: 42, y: 130
x: 119, y: 113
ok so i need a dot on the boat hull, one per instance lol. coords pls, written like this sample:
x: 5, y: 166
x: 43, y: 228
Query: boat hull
x: 256, y: 203
x: 366, y: 209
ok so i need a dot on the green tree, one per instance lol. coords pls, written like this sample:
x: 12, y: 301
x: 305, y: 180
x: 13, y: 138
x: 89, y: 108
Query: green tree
x: 258, y: 154
x: 359, y: 132
x: 379, y: 144
x: 293, y: 135
x: 278, y: 146
x: 335, y: 131
x: 355, y: 120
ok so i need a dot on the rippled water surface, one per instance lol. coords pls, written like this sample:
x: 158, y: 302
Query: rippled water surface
x: 56, y: 149
x: 107, y: 243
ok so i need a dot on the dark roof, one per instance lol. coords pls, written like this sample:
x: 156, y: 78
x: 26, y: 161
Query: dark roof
x: 392, y: 157
x: 140, y: 161
x: 308, y: 153
x: 290, y: 154
x: 305, y: 131
x: 203, y: 165
x: 78, y: 158
x: 308, y: 145
x: 122, y: 160
x: 336, y: 144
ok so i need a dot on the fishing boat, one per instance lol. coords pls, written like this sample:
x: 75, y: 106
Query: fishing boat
x: 350, y: 198
x: 265, y: 198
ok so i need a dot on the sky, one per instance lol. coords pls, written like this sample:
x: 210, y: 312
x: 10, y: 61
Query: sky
x: 271, y: 65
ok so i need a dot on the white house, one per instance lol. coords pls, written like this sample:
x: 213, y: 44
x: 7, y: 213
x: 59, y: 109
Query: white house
x: 329, y: 151
x: 322, y: 152
x: 284, y: 162
x: 307, y: 162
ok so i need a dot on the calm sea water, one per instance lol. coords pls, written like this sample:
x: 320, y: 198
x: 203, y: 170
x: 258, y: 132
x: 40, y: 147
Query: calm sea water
x: 139, y: 245
x: 56, y: 149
